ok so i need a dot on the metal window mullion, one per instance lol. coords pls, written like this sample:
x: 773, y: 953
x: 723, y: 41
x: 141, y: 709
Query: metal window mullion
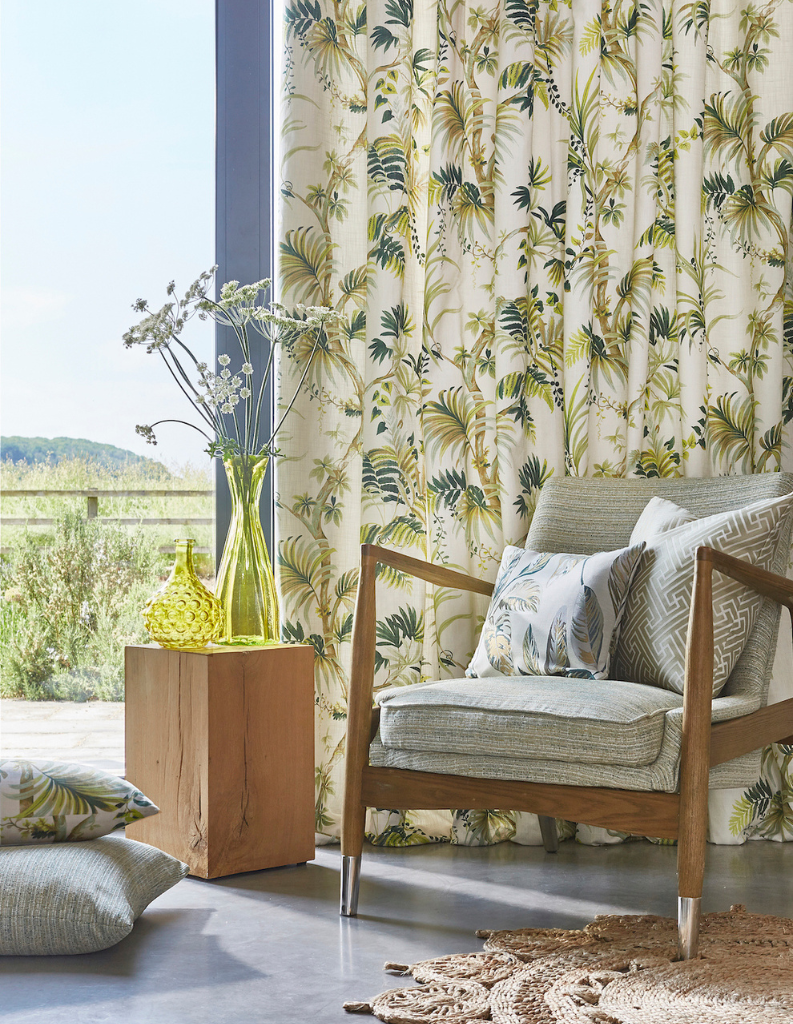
x: 243, y: 200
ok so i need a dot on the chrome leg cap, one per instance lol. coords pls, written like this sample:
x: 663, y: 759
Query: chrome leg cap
x: 688, y: 911
x: 350, y: 883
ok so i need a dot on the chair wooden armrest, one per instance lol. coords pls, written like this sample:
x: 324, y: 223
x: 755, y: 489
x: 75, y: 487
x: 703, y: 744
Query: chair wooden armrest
x: 769, y: 584
x: 437, y: 574
x: 770, y: 724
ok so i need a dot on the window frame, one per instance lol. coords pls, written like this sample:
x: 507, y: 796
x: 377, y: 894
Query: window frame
x: 244, y: 198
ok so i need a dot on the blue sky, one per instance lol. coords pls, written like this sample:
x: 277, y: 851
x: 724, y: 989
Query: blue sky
x: 107, y: 190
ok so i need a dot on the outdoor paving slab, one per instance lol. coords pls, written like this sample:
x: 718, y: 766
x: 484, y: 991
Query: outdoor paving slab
x: 91, y: 732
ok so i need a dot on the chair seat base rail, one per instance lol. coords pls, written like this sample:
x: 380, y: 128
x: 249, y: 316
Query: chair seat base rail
x: 633, y: 811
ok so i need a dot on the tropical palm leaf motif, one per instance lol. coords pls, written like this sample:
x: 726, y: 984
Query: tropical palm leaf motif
x: 531, y: 654
x: 586, y: 629
x: 54, y: 801
x: 557, y: 660
x: 472, y: 828
x: 497, y: 638
x: 622, y: 570
x: 525, y: 602
x: 61, y: 790
x: 566, y: 564
x: 509, y: 321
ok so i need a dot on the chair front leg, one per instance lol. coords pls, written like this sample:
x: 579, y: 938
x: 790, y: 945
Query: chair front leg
x: 359, y: 722
x: 695, y: 758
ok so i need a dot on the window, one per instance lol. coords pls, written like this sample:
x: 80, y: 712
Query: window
x: 108, y: 182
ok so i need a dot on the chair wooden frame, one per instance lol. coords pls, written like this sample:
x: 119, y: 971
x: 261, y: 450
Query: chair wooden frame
x: 682, y: 816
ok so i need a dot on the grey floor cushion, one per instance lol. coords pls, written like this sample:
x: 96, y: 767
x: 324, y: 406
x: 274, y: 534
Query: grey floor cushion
x: 78, y: 897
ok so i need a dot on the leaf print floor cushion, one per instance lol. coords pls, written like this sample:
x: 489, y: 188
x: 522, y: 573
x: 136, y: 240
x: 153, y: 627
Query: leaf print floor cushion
x: 652, y: 644
x: 78, y: 897
x: 554, y: 614
x: 55, y: 802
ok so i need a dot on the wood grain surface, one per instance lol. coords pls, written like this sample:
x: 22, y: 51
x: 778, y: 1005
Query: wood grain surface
x: 645, y: 814
x: 222, y: 740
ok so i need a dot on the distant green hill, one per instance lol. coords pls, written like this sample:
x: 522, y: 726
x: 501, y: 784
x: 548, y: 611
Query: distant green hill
x: 39, y: 449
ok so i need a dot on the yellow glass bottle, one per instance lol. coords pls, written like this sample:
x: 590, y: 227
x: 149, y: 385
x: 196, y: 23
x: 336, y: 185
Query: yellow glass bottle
x: 183, y: 613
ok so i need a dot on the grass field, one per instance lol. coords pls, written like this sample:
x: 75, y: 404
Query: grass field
x: 73, y: 591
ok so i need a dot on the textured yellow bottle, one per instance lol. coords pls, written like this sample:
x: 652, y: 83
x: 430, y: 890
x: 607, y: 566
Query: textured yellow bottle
x: 183, y: 613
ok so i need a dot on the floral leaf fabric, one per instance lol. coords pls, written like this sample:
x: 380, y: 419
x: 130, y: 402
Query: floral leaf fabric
x: 586, y: 630
x: 541, y: 638
x: 56, y: 801
x: 561, y: 233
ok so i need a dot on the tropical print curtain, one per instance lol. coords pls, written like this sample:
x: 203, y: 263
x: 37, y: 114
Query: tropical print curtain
x: 560, y: 233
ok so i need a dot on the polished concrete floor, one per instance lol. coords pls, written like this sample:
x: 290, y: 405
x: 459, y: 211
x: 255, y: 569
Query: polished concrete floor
x: 270, y: 946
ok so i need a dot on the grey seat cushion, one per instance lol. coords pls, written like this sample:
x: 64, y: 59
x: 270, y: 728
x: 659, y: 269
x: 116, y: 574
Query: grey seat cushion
x: 449, y: 752
x: 589, y: 721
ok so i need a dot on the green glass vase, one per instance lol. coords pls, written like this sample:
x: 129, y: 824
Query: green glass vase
x: 245, y: 582
x: 183, y: 613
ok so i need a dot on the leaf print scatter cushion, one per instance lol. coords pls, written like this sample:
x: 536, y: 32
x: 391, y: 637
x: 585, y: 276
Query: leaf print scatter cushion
x: 554, y: 614
x: 652, y: 646
x: 55, y: 802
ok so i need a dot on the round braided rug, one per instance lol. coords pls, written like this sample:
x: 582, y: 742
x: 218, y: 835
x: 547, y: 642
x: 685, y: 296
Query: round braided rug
x: 733, y: 928
x: 725, y: 990
x: 526, y: 943
x: 484, y: 968
x: 445, y: 1002
x: 522, y: 997
x: 618, y: 970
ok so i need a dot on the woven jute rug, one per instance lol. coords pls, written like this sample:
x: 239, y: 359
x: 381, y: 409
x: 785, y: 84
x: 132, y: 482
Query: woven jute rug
x: 617, y: 970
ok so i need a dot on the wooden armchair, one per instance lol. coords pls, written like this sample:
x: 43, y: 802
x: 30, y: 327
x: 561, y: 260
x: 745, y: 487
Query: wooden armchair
x: 680, y: 815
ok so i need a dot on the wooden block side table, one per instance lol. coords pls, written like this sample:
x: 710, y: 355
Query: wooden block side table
x: 222, y: 740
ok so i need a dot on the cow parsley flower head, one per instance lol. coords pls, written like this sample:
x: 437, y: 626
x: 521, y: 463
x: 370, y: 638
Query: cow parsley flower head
x: 146, y: 433
x: 241, y: 309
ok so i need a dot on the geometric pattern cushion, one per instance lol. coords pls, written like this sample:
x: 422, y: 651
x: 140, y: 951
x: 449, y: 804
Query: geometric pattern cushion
x: 58, y: 802
x: 554, y: 614
x: 78, y: 897
x: 652, y: 643
x: 659, y: 516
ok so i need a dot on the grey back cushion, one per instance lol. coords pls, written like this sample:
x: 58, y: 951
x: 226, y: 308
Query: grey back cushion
x: 582, y: 515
